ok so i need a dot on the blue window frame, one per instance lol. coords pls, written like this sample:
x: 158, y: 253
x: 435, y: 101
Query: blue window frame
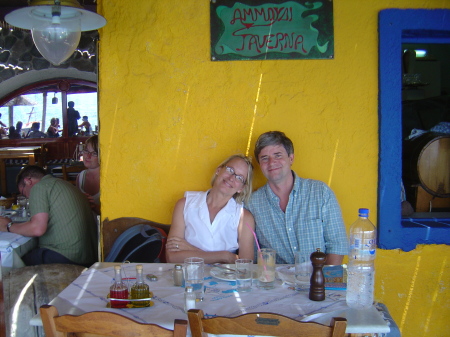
x: 397, y: 26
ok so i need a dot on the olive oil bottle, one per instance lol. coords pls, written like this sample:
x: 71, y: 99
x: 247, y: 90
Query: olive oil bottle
x: 140, y: 289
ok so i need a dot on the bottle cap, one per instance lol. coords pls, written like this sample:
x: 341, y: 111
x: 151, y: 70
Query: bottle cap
x: 178, y: 266
x: 189, y: 289
x: 139, y: 267
x: 363, y: 212
x: 117, y: 267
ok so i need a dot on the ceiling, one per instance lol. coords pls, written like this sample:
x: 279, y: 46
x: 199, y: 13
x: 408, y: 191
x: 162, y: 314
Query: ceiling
x: 7, y: 6
x: 22, y: 3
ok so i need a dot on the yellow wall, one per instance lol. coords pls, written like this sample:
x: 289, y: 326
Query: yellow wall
x: 169, y: 115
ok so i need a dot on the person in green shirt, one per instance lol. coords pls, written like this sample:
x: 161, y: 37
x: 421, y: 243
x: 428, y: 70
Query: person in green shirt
x: 61, y: 219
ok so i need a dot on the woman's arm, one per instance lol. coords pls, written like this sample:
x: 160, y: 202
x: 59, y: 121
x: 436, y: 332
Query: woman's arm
x: 245, y: 236
x: 177, y: 248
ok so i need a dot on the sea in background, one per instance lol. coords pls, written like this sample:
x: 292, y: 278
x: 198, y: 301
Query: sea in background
x: 85, y: 103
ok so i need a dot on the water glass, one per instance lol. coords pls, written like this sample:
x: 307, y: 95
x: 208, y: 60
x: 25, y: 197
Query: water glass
x: 194, y: 270
x: 303, y: 271
x: 244, y: 269
x: 22, y: 201
x: 2, y: 210
x: 266, y: 268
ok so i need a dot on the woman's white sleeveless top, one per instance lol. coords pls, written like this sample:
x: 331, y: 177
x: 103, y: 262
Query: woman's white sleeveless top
x: 222, y: 234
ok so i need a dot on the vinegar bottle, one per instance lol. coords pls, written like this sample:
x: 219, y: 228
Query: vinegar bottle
x: 118, y: 290
x: 361, y: 257
x: 140, y: 289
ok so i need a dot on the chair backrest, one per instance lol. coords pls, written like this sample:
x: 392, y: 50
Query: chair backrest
x: 67, y: 169
x: 111, y: 230
x: 103, y: 323
x: 263, y: 324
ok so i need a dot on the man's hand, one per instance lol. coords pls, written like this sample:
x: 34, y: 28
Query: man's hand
x: 334, y: 259
x: 3, y: 222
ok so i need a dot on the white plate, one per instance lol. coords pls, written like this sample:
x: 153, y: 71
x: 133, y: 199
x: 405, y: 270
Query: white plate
x: 222, y: 274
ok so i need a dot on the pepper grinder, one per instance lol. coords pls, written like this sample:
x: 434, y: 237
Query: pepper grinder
x: 317, y: 288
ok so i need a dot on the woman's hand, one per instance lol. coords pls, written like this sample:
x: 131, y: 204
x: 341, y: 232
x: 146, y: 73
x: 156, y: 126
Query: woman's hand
x: 176, y: 244
x: 229, y: 258
x: 94, y: 206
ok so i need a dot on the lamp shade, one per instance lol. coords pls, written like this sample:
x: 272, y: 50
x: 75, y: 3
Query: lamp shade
x: 56, y: 26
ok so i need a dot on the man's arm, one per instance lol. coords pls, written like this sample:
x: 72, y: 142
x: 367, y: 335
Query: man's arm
x: 36, y: 227
x: 334, y: 259
x: 335, y: 235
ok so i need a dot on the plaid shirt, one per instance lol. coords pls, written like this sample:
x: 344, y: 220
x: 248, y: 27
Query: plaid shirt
x: 312, y: 220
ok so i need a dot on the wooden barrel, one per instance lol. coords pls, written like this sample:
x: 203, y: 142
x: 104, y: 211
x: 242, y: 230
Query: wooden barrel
x: 426, y: 162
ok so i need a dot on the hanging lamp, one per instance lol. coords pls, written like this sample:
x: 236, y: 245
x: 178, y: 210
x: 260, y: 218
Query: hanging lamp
x: 56, y: 26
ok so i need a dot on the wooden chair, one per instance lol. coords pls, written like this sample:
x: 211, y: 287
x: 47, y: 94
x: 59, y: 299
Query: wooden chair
x: 111, y: 229
x: 67, y: 169
x: 263, y: 324
x: 103, y: 323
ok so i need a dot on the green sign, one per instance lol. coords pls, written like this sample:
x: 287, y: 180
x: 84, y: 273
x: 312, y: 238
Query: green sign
x: 259, y: 30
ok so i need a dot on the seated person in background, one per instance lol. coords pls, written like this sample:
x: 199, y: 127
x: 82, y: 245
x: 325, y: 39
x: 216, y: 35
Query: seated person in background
x: 13, y: 134
x: 61, y: 219
x: 1, y: 123
x: 19, y: 129
x: 291, y: 213
x: 214, y: 225
x: 88, y: 181
x: 35, y: 132
x: 87, y: 126
x: 52, y: 131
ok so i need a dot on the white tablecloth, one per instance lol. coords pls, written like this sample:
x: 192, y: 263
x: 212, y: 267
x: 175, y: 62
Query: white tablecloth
x: 89, y: 293
x: 12, y: 248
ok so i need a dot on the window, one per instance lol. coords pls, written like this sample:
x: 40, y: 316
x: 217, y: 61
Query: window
x: 396, y: 27
x: 43, y: 102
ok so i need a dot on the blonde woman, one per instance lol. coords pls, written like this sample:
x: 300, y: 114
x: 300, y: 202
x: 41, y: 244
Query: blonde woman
x: 214, y: 225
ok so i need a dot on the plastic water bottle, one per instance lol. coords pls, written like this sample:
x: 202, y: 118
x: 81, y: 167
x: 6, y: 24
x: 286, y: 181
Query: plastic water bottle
x: 361, y: 257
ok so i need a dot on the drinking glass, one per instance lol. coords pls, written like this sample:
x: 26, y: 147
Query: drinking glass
x: 194, y: 270
x: 266, y: 268
x: 303, y: 271
x: 22, y: 201
x: 244, y: 274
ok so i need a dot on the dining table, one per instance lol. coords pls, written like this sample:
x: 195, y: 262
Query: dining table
x: 14, y: 246
x: 90, y: 291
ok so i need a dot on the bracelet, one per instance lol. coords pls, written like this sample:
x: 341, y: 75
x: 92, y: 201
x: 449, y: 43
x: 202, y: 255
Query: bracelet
x: 8, y: 226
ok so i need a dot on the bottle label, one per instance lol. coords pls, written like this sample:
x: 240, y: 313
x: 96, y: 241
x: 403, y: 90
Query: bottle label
x: 362, y: 248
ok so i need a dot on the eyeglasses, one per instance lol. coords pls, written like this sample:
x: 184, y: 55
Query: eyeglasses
x: 238, y: 177
x: 93, y: 153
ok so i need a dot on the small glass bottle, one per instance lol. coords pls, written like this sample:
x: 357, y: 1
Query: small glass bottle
x: 118, y: 290
x: 178, y: 275
x: 189, y: 298
x: 140, y: 289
